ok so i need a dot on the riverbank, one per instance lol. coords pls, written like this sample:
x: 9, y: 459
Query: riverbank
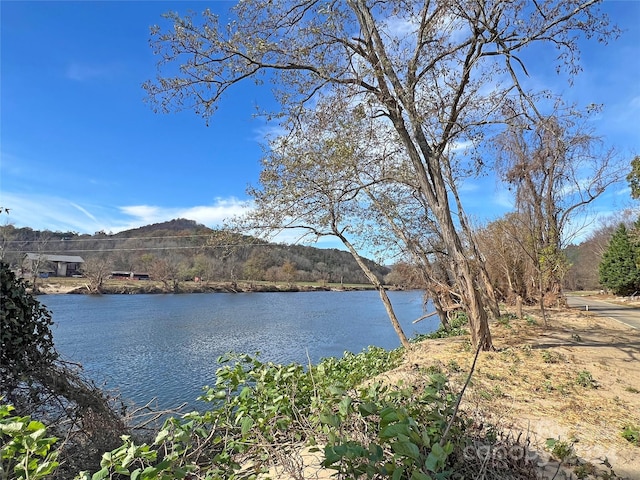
x: 60, y: 285
x: 575, y: 380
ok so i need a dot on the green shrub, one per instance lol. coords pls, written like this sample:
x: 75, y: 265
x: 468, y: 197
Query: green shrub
x: 505, y: 320
x: 561, y: 449
x: 585, y: 379
x: 403, y: 433
x: 26, y: 342
x: 352, y: 369
x: 261, y: 412
x: 456, y: 329
x: 631, y: 433
x: 549, y: 356
x: 25, y: 450
x: 253, y: 409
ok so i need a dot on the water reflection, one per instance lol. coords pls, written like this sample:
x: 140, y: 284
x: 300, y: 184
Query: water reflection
x: 166, y: 346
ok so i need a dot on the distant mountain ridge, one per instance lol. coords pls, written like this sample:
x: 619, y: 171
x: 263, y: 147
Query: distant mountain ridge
x: 178, y: 224
x: 186, y: 249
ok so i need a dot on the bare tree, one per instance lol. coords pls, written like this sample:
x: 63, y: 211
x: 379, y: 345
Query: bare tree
x: 39, y: 259
x: 556, y: 170
x: 207, y: 268
x: 97, y: 270
x: 303, y: 187
x: 166, y: 271
x: 509, y: 269
x: 289, y: 272
x: 439, y: 72
x: 227, y: 247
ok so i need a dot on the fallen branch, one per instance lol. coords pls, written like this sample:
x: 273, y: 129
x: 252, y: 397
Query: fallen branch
x: 425, y: 316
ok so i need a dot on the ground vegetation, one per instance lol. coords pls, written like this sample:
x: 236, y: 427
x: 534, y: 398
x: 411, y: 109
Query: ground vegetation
x: 44, y: 388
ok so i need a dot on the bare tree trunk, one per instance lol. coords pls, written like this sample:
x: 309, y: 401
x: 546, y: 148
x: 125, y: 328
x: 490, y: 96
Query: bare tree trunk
x: 383, y: 294
x: 519, y: 307
x: 471, y: 296
x: 442, y: 313
x: 427, y: 164
x: 543, y: 311
x: 478, y: 320
x: 491, y: 298
x: 484, y: 283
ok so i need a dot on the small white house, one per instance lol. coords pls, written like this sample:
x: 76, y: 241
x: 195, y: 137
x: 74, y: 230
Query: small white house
x: 56, y: 265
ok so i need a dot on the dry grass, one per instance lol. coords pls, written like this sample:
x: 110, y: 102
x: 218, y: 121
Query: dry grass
x: 575, y: 380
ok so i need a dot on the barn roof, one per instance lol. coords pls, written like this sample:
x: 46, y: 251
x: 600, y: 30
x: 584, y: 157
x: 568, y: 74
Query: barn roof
x: 55, y: 258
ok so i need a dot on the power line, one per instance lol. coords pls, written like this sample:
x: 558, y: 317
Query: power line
x: 65, y: 240
x: 58, y: 252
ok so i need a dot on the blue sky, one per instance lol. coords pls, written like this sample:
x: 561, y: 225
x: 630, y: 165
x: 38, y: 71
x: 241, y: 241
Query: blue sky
x: 81, y: 151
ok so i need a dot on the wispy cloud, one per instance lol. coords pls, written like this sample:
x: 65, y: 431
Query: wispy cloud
x: 623, y: 192
x: 504, y: 198
x: 469, y: 186
x: 580, y: 227
x: 47, y: 212
x: 85, y: 211
x: 213, y: 215
x: 267, y: 132
x: 461, y: 146
x: 400, y: 27
x: 44, y: 212
x: 11, y: 164
x: 81, y: 72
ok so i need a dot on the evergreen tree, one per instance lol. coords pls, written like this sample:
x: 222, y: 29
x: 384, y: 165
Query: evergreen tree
x: 634, y: 178
x: 619, y: 270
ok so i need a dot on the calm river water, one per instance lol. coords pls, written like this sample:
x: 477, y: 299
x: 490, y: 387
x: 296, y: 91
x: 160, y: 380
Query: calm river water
x: 166, y: 346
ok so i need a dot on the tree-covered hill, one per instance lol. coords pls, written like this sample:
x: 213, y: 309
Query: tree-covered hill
x: 182, y: 249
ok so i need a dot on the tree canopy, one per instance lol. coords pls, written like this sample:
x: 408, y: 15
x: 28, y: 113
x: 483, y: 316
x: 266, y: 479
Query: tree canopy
x: 437, y: 74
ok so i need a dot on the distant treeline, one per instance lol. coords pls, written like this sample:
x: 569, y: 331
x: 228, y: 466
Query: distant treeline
x: 181, y: 250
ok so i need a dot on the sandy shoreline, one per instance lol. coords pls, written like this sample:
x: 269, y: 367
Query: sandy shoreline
x: 62, y: 286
